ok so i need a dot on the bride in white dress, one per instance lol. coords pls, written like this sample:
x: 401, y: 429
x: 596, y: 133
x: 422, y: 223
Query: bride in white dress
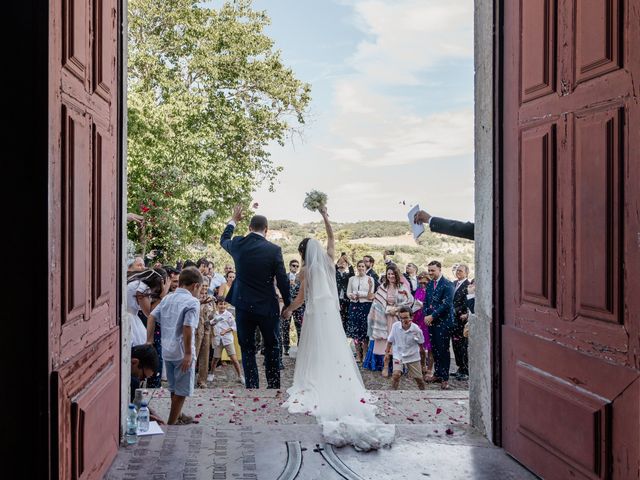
x: 327, y: 382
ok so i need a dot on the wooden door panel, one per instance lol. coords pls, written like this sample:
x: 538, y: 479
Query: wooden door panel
x: 104, y: 65
x: 597, y: 37
x: 87, y: 406
x: 538, y: 49
x: 571, y: 209
x: 598, y: 205
x: 76, y: 148
x: 75, y: 38
x: 538, y: 216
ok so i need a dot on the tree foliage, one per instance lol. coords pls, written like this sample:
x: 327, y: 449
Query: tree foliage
x: 208, y: 93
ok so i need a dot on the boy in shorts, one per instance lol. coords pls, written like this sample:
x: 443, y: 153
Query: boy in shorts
x: 178, y: 314
x: 223, y: 326
x: 405, y: 341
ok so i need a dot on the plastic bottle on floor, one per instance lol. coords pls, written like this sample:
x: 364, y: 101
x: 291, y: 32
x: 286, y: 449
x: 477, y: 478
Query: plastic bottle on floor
x: 131, y: 435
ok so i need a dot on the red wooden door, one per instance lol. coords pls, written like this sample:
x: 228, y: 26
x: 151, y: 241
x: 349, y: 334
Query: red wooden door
x: 84, y: 341
x: 571, y: 237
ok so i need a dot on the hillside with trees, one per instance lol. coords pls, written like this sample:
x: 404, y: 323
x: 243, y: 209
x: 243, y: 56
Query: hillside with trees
x: 365, y: 238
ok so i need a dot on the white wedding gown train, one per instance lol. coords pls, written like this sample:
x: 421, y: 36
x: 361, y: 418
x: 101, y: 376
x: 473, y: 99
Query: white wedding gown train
x: 327, y: 382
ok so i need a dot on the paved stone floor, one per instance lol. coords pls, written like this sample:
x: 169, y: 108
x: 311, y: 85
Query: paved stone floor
x: 246, y: 434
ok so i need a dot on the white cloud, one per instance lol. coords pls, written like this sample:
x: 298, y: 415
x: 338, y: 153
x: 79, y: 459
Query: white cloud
x: 409, y: 36
x: 379, y: 131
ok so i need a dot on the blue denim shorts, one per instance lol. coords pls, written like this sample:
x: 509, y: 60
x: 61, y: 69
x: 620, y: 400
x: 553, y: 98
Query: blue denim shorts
x: 180, y: 383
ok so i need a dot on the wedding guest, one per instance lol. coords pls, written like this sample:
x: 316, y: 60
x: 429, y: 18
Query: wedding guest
x: 203, y: 266
x: 297, y: 315
x: 294, y: 266
x: 140, y: 288
x: 145, y: 365
x: 453, y: 228
x: 223, y: 327
x: 370, y: 262
x: 344, y: 271
x: 173, y: 277
x: 179, y: 314
x: 471, y: 296
x: 405, y: 341
x: 454, y: 269
x: 360, y: 291
x: 391, y: 295
x: 405, y: 278
x: 203, y: 334
x: 217, y: 280
x: 460, y: 316
x: 411, y: 274
x: 438, y: 309
x: 230, y: 277
x: 418, y: 318
x: 156, y: 297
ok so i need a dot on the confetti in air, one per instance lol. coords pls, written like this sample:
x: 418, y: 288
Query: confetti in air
x: 204, y: 216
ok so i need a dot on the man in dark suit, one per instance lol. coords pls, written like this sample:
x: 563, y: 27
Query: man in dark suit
x: 461, y: 316
x: 254, y: 297
x: 438, y: 311
x: 369, y: 262
x: 453, y: 228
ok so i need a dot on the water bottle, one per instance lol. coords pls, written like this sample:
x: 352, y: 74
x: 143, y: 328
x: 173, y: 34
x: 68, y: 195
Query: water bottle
x: 131, y: 436
x: 137, y: 400
x: 143, y: 417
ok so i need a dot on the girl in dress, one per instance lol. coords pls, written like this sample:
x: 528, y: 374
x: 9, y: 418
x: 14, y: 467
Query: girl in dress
x: 392, y: 294
x: 360, y: 293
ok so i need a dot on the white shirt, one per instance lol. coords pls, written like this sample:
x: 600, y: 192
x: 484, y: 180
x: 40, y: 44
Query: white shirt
x: 217, y: 280
x: 361, y: 285
x: 221, y: 322
x: 406, y: 343
x: 173, y: 313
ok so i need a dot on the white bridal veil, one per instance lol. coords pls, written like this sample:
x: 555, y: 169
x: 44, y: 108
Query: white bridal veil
x: 327, y: 382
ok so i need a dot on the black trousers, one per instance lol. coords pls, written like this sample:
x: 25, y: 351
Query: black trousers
x: 269, y: 327
x: 460, y: 349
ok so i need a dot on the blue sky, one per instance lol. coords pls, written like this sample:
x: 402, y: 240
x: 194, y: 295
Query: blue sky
x: 391, y: 119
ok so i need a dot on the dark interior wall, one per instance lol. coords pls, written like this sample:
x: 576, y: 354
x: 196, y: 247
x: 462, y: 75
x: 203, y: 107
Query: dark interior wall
x: 25, y: 226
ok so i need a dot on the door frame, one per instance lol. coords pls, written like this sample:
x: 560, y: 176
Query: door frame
x: 485, y: 336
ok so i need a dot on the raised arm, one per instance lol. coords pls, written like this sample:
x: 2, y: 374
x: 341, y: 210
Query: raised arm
x: 236, y: 217
x: 331, y: 242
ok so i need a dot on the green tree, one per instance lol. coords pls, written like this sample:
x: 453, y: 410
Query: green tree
x: 208, y: 93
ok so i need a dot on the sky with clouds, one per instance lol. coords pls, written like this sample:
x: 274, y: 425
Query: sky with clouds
x: 391, y: 119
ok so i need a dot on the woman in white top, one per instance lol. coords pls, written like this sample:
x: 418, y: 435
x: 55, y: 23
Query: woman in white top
x: 360, y: 293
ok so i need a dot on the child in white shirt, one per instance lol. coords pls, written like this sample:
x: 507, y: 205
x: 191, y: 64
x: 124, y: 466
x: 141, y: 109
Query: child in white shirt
x: 223, y: 325
x: 405, y: 341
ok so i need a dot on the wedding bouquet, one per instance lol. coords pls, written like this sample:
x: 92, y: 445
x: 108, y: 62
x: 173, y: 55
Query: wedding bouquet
x: 315, y: 200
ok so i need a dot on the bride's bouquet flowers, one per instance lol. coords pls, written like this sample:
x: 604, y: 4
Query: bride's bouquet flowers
x: 315, y: 200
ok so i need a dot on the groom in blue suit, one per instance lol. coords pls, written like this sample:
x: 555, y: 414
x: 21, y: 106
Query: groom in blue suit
x: 253, y: 294
x: 438, y: 315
